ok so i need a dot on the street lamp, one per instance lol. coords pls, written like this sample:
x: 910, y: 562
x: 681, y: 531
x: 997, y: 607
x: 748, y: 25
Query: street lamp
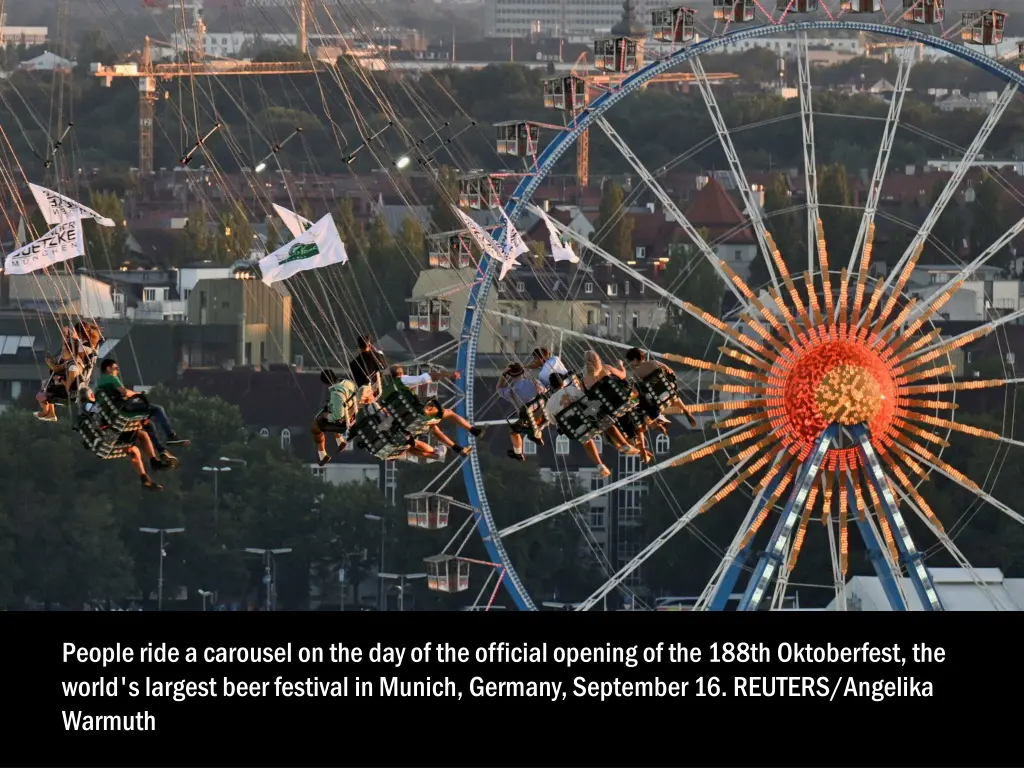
x: 401, y: 578
x: 216, y: 474
x: 205, y: 594
x: 163, y: 553
x: 380, y: 566
x: 269, y: 568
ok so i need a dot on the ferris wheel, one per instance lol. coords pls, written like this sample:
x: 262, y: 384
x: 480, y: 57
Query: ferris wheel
x: 833, y: 394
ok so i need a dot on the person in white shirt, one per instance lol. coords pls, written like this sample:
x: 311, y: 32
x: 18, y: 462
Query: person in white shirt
x: 548, y: 364
x: 433, y: 407
x: 560, y: 397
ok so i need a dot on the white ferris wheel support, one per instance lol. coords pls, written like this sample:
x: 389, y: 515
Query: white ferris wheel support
x: 803, y: 66
x: 882, y: 163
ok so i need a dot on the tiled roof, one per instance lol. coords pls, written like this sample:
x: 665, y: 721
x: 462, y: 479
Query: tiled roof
x: 713, y: 209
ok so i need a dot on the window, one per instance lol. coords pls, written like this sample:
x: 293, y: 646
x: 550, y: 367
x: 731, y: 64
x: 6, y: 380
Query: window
x: 588, y: 287
x: 661, y: 444
x: 149, y: 294
x: 529, y: 448
x: 613, y: 289
x: 562, y: 446
x: 248, y: 353
x: 320, y: 473
x: 641, y: 287
x: 737, y: 256
x: 520, y: 286
x: 186, y: 293
x: 596, y: 518
x: 625, y: 288
x: 264, y: 432
x: 636, y: 319
x: 263, y: 351
x: 641, y: 252
x: 286, y: 439
x: 598, y: 443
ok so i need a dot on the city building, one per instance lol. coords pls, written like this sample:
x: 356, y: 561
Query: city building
x: 575, y: 20
x: 15, y: 35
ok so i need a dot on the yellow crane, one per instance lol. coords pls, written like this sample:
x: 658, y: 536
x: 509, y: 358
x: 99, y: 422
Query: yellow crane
x: 149, y: 74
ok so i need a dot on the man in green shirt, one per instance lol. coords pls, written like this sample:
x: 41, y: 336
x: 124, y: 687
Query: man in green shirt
x: 110, y: 384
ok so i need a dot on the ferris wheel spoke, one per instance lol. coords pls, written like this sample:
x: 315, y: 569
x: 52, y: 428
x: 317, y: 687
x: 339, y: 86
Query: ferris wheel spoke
x: 722, y: 329
x: 969, y: 485
x: 718, y: 589
x: 688, y: 517
x: 865, y: 235
x: 693, y: 454
x: 950, y: 546
x: 725, y: 138
x: 670, y: 206
x: 803, y: 66
x: 955, y: 180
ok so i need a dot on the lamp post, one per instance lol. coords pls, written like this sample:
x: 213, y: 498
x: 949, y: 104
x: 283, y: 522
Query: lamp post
x: 216, y: 490
x: 380, y: 566
x: 163, y: 553
x: 401, y: 578
x: 205, y: 593
x: 269, y: 570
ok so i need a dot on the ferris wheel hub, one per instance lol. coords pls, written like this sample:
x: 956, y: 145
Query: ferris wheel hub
x: 837, y: 381
x: 849, y: 394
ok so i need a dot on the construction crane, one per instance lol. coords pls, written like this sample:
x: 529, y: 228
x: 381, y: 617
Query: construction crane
x: 594, y: 82
x: 147, y: 73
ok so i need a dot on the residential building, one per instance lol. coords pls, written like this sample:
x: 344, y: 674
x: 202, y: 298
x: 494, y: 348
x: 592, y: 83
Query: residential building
x: 260, y: 315
x: 713, y: 209
x: 47, y: 62
x: 986, y: 295
x: 74, y: 294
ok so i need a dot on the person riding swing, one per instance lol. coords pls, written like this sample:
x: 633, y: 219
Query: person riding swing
x: 430, y: 412
x: 337, y: 415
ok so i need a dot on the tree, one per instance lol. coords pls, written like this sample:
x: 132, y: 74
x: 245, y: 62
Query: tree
x: 838, y: 218
x: 785, y: 226
x: 614, y: 227
x: 235, y: 239
x: 199, y: 243
x: 412, y: 241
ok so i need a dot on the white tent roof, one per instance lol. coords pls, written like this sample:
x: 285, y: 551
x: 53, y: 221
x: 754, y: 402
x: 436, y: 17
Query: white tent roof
x: 957, y: 590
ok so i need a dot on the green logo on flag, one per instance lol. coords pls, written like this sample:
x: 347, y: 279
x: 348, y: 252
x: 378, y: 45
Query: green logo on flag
x: 300, y: 251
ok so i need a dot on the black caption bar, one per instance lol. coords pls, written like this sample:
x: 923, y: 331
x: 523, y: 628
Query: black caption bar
x: 105, y: 682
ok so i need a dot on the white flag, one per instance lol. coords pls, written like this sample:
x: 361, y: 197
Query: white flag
x: 61, y: 243
x: 318, y: 246
x: 514, y: 246
x: 559, y: 251
x: 485, y: 242
x: 296, y: 224
x: 58, y: 209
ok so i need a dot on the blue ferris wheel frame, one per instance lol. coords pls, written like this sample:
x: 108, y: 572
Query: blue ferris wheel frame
x: 481, y: 287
